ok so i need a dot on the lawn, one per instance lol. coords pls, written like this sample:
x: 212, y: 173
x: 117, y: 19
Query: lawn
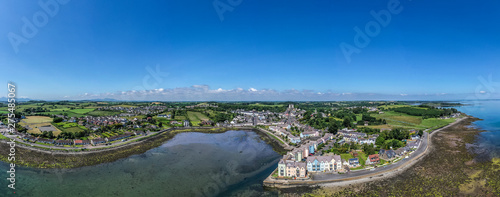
x: 346, y: 157
x: 362, y: 158
x: 358, y: 168
x: 4, y: 112
x: 2, y: 137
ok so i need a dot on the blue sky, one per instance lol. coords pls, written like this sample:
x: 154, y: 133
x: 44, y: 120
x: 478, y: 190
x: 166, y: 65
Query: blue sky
x: 96, y: 49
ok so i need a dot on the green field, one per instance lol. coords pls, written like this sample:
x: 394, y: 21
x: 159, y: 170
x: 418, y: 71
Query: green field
x: 180, y: 118
x: 396, y: 119
x: 69, y: 127
x: 124, y: 105
x: 82, y: 111
x: 385, y: 107
x: 37, y: 121
x: 359, y: 117
x: 399, y: 118
x: 196, y: 117
x: 103, y: 113
x: 68, y: 113
x: 433, y: 123
x: 260, y: 104
x: 164, y: 121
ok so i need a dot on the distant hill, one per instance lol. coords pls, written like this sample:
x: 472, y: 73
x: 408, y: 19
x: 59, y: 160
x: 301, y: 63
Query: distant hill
x: 4, y: 99
x: 104, y: 99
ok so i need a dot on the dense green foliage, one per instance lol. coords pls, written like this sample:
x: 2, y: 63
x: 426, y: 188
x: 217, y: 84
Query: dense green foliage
x: 57, y: 120
x: 392, y: 138
x: 368, y: 130
x: 371, y: 120
x: 368, y: 149
x: 428, y: 112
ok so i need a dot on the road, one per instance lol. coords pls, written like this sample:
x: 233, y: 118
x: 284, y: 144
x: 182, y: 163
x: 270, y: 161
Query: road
x: 360, y: 174
x: 285, y: 145
x: 118, y: 143
x: 417, y: 153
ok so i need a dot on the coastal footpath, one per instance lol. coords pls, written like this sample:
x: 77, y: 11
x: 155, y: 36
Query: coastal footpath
x: 360, y: 176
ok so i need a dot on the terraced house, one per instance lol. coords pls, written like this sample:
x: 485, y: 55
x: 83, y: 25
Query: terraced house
x: 324, y: 163
x: 296, y: 169
x: 290, y: 168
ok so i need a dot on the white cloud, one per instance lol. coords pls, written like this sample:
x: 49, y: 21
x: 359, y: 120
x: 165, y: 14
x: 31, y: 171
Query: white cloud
x: 204, y: 93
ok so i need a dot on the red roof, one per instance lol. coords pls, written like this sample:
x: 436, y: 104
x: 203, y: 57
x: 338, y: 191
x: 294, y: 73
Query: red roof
x: 373, y: 157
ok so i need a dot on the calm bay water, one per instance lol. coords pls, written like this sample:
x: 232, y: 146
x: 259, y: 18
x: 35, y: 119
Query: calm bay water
x: 191, y: 164
x: 487, y: 143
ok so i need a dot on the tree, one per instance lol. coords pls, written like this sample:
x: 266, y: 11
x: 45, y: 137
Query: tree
x: 368, y: 149
x: 380, y: 140
x: 333, y: 127
x: 50, y: 135
x: 57, y: 120
x: 347, y: 122
x: 160, y: 125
